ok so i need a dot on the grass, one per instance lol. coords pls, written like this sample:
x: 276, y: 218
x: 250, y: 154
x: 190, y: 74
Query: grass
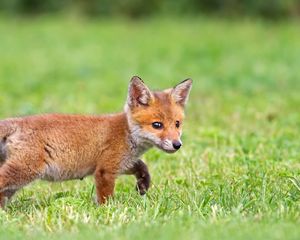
x: 238, y: 174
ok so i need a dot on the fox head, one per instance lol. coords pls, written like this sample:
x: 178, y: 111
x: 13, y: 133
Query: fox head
x: 155, y: 117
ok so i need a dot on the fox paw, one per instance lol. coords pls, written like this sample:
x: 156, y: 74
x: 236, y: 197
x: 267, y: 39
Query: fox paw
x: 143, y: 184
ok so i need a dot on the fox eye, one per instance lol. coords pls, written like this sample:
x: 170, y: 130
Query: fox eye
x: 177, y: 124
x: 157, y: 125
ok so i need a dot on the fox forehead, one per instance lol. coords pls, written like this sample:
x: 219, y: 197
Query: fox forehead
x: 162, y: 108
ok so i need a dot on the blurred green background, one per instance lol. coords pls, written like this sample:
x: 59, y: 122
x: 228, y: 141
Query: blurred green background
x: 237, y: 175
x: 139, y: 8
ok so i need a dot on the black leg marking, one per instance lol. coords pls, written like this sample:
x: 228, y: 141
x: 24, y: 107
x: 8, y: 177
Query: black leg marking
x: 142, y: 176
x: 3, y: 154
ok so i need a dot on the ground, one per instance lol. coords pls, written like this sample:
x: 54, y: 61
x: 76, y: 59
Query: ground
x: 238, y: 173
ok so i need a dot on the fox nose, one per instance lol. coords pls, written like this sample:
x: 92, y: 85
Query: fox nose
x: 176, y: 144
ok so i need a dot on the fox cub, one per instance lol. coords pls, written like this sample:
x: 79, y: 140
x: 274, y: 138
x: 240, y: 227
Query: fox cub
x: 58, y: 147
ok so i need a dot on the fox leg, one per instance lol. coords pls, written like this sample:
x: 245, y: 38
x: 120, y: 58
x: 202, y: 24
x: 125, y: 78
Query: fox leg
x: 105, y: 184
x: 16, y: 173
x: 140, y: 170
x: 5, y: 196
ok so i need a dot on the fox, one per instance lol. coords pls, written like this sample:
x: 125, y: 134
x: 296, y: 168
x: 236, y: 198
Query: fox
x: 59, y: 147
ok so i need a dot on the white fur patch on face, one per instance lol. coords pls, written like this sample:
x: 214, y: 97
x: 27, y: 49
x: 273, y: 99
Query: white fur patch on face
x: 167, y: 145
x: 144, y: 138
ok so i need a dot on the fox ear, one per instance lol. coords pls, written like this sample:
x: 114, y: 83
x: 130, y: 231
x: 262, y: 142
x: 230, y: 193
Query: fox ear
x: 138, y: 93
x: 180, y: 92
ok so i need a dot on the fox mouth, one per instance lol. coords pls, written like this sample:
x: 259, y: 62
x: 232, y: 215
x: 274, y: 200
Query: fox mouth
x: 166, y: 147
x: 169, y: 151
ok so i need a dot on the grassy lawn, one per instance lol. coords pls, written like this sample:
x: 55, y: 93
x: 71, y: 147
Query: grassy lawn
x: 238, y: 174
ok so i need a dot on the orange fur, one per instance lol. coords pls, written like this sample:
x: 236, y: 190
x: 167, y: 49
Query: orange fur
x: 59, y: 147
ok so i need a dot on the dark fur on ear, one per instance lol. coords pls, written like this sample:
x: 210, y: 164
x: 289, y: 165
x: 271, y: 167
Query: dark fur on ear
x: 138, y: 93
x: 180, y: 92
